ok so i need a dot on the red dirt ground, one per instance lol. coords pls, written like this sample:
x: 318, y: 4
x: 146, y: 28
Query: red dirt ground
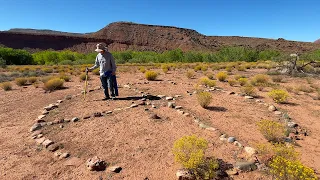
x: 129, y: 138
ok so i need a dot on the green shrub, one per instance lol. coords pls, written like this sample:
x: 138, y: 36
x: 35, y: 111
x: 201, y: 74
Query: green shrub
x: 47, y: 70
x: 237, y: 77
x: 53, y: 84
x: 284, y: 169
x: 278, y: 95
x: 46, y: 78
x: 96, y: 72
x: 83, y: 77
x: 204, y: 99
x: 222, y: 76
x: 190, y: 74
x: 210, y: 76
x: 271, y: 130
x: 189, y: 151
x: 241, y: 68
x: 207, y: 82
x: 32, y: 79
x: 243, y: 81
x: 197, y: 68
x: 248, y: 90
x: 6, y: 86
x: 65, y: 77
x: 21, y: 81
x: 151, y: 75
x: 260, y: 79
x: 304, y: 88
x: 232, y: 82
x: 142, y: 69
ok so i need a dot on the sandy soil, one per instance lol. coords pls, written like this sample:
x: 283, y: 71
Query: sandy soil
x: 130, y: 138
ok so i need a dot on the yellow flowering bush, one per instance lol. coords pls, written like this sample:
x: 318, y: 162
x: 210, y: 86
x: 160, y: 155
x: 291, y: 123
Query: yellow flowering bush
x: 207, y: 82
x: 204, y: 99
x: 279, y: 95
x: 151, y: 75
x: 271, y: 130
x: 222, y: 76
x: 284, y: 169
x: 190, y: 151
x: 243, y: 81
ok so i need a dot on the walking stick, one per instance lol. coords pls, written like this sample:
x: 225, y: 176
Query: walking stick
x: 85, y: 85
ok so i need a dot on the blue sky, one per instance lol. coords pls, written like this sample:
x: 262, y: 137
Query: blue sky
x: 290, y: 19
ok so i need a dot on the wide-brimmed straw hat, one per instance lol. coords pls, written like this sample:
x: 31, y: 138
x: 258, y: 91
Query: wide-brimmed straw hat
x: 101, y: 47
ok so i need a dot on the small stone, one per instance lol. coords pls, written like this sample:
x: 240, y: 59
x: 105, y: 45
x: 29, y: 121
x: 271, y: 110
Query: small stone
x: 236, y: 143
x: 223, y: 136
x: 87, y: 117
x: 143, y: 99
x: 161, y: 96
x: 184, y: 174
x: 47, y: 143
x: 53, y: 147
x: 177, y: 96
x: 231, y: 139
x: 258, y: 101
x: 40, y: 141
x: 96, y: 164
x: 133, y: 105
x: 223, y: 139
x: 115, y: 169
x: 97, y: 114
x: 39, y: 135
x: 278, y: 113
x: 153, y: 106
x: 109, y: 112
x: 117, y: 109
x: 49, y: 123
x: 232, y: 172
x: 180, y: 112
x: 36, y: 133
x: 68, y: 97
x: 272, y: 108
x: 57, y: 153
x: 64, y: 155
x: 40, y: 121
x: 178, y: 107
x: 248, y: 97
x: 171, y: 104
x: 74, y: 161
x: 169, y: 98
x: 231, y: 93
x: 154, y: 116
x: 75, y: 119
x: 245, y: 166
x: 126, y: 86
x: 196, y: 120
x: 59, y: 101
x: 292, y: 124
x: 67, y: 120
x: 211, y: 129
x: 186, y: 114
x: 35, y: 127
x: 45, y: 112
x: 61, y: 126
x: 201, y: 125
x: 250, y: 151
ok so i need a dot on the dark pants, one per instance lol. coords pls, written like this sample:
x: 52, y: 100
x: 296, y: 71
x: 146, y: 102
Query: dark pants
x: 106, y: 83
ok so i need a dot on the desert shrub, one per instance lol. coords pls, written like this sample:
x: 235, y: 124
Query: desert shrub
x: 32, y: 79
x: 6, y: 86
x: 260, y: 79
x: 190, y: 74
x: 285, y: 169
x: 243, y: 81
x: 3, y: 63
x: 197, y: 68
x: 279, y: 95
x: 210, y: 76
x: 65, y: 77
x: 268, y: 150
x: 204, y: 68
x: 151, y: 75
x: 304, y: 88
x: 47, y: 70
x: 248, y: 90
x: 83, y: 77
x: 232, y: 82
x: 222, y: 76
x: 46, y: 78
x: 237, y: 77
x: 36, y: 84
x: 142, y: 69
x: 207, y: 82
x: 204, y: 99
x: 165, y: 68
x: 271, y: 130
x: 21, y: 81
x: 189, y: 151
x: 277, y: 78
x: 228, y: 68
x: 53, y: 84
x: 241, y: 68
x: 96, y: 71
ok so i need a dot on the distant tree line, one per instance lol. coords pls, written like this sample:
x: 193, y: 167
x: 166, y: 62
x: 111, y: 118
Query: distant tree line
x: 11, y: 56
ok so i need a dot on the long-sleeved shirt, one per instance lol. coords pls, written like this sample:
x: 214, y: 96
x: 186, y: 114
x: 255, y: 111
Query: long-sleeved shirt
x: 106, y: 63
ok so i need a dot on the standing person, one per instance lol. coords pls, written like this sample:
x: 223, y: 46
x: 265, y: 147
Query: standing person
x: 107, y: 65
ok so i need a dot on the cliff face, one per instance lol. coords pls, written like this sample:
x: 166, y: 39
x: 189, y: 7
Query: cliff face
x: 122, y: 36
